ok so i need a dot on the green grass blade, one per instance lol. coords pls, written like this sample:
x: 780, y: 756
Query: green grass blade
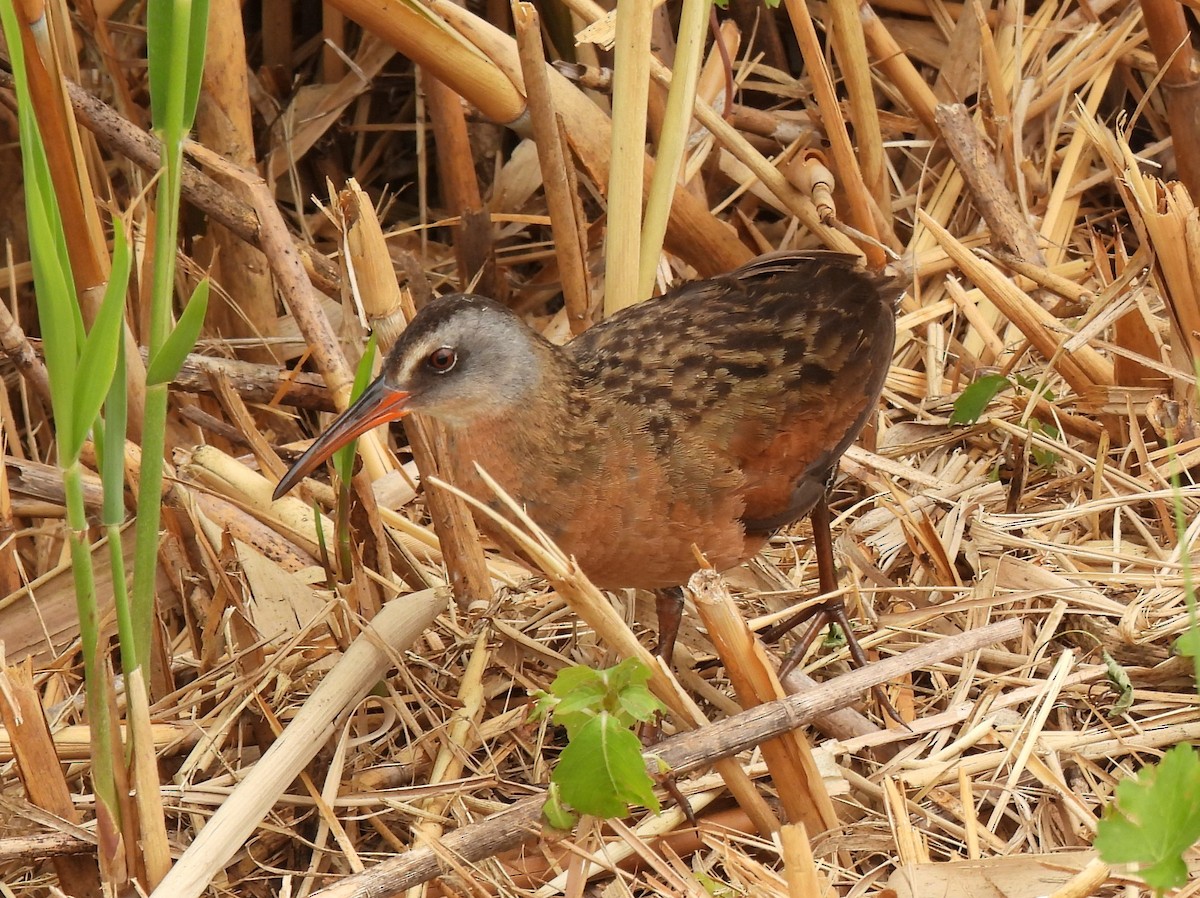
x: 975, y: 398
x: 197, y: 39
x: 168, y: 360
x: 176, y: 34
x: 343, y: 459
x: 112, y: 443
x: 98, y: 358
x: 58, y: 313
x: 160, y: 15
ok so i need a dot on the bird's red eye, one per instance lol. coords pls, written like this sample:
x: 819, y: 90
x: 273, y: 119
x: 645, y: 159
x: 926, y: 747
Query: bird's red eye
x: 442, y: 359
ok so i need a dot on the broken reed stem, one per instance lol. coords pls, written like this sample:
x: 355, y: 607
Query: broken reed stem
x: 996, y: 202
x: 789, y: 758
x: 41, y: 771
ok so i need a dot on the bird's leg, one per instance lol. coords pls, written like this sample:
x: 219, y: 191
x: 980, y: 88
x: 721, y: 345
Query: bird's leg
x: 832, y: 610
x: 668, y: 603
x: 667, y: 781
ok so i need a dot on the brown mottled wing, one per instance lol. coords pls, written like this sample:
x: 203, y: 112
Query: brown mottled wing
x: 760, y: 379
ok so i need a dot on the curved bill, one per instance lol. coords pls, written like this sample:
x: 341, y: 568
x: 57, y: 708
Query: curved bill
x: 378, y: 404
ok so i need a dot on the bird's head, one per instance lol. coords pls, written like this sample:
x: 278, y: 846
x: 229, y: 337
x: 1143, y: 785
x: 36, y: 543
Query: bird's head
x: 463, y: 358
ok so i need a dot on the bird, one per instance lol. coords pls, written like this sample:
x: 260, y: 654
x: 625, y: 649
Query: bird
x: 709, y: 417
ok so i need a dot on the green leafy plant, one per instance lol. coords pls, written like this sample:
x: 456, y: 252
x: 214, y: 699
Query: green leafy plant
x: 975, y: 398
x: 601, y: 771
x: 1155, y: 819
x: 1042, y: 457
x: 972, y: 401
x: 80, y: 364
x: 89, y: 397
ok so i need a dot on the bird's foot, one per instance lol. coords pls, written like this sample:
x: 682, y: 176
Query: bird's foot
x: 666, y: 779
x: 831, y: 611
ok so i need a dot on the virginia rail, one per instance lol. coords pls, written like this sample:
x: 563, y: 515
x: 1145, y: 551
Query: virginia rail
x: 710, y: 416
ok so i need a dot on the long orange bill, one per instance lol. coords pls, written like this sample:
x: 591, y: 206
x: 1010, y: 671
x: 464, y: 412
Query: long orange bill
x: 378, y: 404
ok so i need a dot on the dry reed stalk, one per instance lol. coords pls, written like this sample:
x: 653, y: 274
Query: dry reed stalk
x: 277, y: 35
x: 898, y: 68
x: 694, y: 235
x: 627, y: 155
x: 970, y: 820
x: 244, y: 420
x: 1171, y: 223
x: 570, y: 232
x: 1094, y: 56
x: 1170, y: 38
x: 940, y: 206
x: 459, y: 187
x: 1062, y: 207
x: 846, y: 31
x: 839, y: 726
x: 414, y: 31
x: 71, y: 741
x: 1086, y: 882
x: 999, y: 87
x: 10, y: 568
x: 795, y: 202
x: 712, y: 86
x: 803, y: 880
x: 333, y: 27
x: 41, y: 772
x: 69, y: 169
x: 992, y: 347
x: 224, y: 124
x: 1081, y: 368
x: 154, y: 852
x: 909, y: 845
